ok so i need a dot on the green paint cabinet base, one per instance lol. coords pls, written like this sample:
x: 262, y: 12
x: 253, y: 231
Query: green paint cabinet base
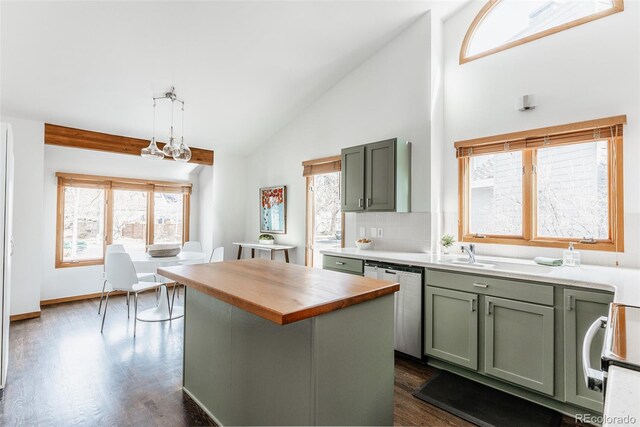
x: 245, y: 370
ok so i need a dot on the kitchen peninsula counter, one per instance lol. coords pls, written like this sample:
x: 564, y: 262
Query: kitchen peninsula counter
x: 269, y: 343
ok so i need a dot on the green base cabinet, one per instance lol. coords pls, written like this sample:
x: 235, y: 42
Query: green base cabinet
x: 581, y: 309
x: 519, y: 343
x: 448, y: 311
x: 521, y: 337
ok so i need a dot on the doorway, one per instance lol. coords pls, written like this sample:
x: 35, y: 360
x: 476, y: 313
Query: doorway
x: 325, y: 220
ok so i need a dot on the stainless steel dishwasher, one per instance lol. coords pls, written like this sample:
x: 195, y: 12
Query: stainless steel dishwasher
x: 408, y: 303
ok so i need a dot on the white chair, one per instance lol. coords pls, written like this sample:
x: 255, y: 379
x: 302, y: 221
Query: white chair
x: 192, y: 247
x: 122, y: 276
x: 217, y: 255
x: 119, y: 249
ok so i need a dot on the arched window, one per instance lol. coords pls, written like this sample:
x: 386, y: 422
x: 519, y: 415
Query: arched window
x: 502, y: 24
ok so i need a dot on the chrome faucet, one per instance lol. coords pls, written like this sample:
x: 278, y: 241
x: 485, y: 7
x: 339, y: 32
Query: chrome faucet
x: 471, y: 251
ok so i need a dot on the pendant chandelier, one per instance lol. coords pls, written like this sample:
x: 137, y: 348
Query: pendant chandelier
x: 175, y: 148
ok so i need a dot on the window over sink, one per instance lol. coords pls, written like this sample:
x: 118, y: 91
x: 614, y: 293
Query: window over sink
x: 545, y: 187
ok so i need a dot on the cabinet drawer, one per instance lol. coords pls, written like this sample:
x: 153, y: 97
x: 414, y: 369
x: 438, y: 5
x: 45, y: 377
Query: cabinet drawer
x: 492, y: 286
x: 346, y: 265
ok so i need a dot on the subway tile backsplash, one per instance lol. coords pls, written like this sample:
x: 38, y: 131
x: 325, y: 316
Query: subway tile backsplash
x: 402, y: 232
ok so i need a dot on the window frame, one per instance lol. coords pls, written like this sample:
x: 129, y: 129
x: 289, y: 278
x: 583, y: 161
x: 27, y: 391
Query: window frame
x: 618, y: 6
x: 310, y: 169
x: 109, y: 184
x: 526, y: 142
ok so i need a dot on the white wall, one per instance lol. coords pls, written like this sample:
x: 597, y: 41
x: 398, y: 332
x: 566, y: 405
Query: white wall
x: 587, y: 72
x: 63, y: 282
x: 26, y: 276
x: 384, y: 97
x: 227, y: 209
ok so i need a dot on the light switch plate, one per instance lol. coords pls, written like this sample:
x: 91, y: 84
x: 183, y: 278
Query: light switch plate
x: 380, y: 232
x: 373, y: 232
x: 363, y: 232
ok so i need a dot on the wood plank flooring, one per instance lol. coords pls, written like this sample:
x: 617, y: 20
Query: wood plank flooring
x: 63, y: 372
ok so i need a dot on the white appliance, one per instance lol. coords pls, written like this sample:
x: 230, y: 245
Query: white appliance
x: 621, y: 345
x: 408, y: 303
x: 6, y: 242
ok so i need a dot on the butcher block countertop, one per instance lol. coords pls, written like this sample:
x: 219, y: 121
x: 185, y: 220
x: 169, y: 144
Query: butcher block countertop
x: 279, y: 292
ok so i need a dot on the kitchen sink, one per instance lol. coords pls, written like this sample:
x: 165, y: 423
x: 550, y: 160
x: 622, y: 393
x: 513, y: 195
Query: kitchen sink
x: 516, y: 267
x: 465, y: 263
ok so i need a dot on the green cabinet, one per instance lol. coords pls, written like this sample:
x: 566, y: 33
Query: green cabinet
x: 352, y: 182
x: 343, y: 265
x: 519, y: 341
x: 380, y: 176
x: 451, y: 327
x: 581, y: 309
x: 376, y: 177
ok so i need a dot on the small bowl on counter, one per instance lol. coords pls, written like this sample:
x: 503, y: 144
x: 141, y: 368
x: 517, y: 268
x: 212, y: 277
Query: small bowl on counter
x: 364, y: 245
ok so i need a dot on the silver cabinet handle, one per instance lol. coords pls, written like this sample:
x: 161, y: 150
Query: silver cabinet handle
x: 340, y: 263
x: 569, y: 302
x: 361, y: 203
x: 592, y: 377
x: 488, y: 308
x: 473, y: 304
x: 480, y: 285
x: 368, y: 202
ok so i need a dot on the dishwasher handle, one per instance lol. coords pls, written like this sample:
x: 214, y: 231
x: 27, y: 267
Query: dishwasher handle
x: 593, y: 378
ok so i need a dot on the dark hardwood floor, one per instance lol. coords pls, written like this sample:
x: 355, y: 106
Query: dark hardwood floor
x: 63, y: 372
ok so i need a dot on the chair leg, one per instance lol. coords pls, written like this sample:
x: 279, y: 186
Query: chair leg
x: 104, y: 315
x: 128, y: 303
x: 135, y: 312
x: 104, y: 285
x: 170, y: 304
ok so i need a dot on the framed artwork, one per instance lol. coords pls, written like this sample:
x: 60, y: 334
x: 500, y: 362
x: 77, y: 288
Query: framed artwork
x: 273, y: 209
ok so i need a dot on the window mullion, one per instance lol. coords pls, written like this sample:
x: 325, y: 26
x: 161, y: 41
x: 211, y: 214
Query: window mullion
x: 150, y: 217
x: 186, y: 213
x: 528, y: 195
x: 108, y: 223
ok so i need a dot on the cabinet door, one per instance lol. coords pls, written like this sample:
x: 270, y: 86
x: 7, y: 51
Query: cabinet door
x: 451, y: 326
x: 352, y: 179
x: 519, y: 343
x: 581, y: 309
x: 381, y: 176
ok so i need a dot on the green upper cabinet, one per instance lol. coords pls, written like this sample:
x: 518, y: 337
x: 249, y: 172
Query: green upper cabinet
x: 352, y: 182
x: 581, y: 309
x: 376, y: 177
x: 519, y: 341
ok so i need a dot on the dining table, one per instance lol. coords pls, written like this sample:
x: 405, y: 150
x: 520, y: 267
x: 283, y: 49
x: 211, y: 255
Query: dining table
x: 145, y: 263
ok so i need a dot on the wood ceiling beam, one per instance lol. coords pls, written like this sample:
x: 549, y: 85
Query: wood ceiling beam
x: 77, y: 138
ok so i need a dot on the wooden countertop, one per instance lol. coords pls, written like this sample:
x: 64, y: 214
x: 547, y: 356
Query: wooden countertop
x: 279, y: 292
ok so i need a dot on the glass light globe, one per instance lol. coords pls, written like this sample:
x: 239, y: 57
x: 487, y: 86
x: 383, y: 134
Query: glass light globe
x: 152, y: 151
x: 169, y: 148
x: 182, y: 153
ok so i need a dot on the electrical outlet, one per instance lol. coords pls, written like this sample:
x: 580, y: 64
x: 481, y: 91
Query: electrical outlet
x: 380, y: 232
x: 373, y: 232
x: 363, y: 232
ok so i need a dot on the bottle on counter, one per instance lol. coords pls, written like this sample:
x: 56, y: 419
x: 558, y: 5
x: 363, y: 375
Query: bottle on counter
x: 571, y: 257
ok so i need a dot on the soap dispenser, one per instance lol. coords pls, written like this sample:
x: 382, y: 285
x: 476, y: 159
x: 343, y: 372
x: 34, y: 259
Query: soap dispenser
x: 571, y: 257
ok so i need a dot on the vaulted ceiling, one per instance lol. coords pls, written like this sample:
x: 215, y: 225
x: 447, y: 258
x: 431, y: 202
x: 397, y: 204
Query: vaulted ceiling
x: 244, y: 68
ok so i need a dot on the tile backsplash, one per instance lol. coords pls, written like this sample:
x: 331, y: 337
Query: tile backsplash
x: 403, y: 232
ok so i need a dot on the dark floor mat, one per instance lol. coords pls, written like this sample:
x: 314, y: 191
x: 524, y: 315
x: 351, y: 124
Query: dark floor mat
x: 482, y: 405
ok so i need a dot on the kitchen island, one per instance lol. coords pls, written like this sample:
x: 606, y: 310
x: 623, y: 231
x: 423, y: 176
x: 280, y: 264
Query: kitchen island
x: 269, y: 343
